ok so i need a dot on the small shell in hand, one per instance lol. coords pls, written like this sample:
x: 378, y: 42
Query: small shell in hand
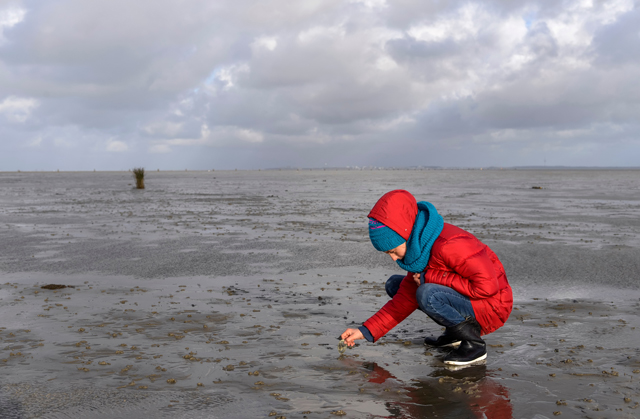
x: 342, y: 346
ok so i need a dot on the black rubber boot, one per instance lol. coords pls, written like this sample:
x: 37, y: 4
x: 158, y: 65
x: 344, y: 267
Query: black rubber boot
x: 472, y: 348
x: 446, y: 340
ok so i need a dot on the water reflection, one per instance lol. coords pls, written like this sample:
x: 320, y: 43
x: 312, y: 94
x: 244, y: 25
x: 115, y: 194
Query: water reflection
x: 448, y: 393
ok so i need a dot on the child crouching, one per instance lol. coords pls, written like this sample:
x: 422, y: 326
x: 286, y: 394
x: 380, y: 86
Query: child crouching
x: 453, y: 278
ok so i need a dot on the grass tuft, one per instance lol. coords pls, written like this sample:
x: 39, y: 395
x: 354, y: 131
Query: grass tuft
x: 138, y: 174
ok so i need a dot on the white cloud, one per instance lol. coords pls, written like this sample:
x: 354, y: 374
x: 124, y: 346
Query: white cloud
x: 385, y: 63
x: 266, y: 42
x: 373, y: 4
x: 10, y: 17
x: 160, y: 149
x: 116, y: 146
x: 322, y: 32
x: 249, y: 136
x: 18, y: 109
x: 228, y: 75
x: 573, y: 27
x: 164, y: 128
x: 216, y: 136
x: 464, y: 23
x: 180, y: 77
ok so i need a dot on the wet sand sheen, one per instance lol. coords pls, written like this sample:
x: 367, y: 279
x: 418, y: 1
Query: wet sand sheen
x: 255, y: 345
x: 274, y: 345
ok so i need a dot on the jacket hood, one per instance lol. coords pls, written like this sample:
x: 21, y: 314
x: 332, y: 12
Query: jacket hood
x: 397, y: 210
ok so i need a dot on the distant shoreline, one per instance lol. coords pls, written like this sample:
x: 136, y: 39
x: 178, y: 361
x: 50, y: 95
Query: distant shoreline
x: 354, y: 168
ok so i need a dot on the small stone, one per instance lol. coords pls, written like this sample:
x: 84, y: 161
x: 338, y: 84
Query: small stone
x: 557, y: 413
x: 171, y: 381
x: 200, y: 385
x: 339, y: 412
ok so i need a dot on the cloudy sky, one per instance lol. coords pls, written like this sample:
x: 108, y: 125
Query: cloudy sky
x: 247, y: 84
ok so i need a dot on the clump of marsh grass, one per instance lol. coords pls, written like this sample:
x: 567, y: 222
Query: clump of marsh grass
x: 138, y: 174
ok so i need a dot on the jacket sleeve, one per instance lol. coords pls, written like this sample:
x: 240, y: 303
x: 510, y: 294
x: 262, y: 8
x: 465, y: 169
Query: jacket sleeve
x: 395, y: 310
x: 472, y: 272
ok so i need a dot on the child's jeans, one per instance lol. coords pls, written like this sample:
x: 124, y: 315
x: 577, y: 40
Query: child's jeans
x: 444, y: 305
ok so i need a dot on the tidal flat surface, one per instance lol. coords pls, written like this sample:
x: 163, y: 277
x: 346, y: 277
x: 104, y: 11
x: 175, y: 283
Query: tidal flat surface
x: 221, y: 294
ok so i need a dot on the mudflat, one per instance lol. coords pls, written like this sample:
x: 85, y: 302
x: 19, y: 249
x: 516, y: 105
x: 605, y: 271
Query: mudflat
x: 222, y: 293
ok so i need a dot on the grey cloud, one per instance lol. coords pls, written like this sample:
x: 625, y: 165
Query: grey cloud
x: 540, y: 41
x: 271, y: 82
x: 619, y: 42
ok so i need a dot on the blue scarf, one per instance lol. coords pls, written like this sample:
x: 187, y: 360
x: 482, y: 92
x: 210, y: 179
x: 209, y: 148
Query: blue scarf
x: 425, y: 231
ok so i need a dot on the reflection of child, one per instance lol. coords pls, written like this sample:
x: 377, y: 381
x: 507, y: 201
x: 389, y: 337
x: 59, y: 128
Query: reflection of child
x: 452, y: 277
x: 429, y: 398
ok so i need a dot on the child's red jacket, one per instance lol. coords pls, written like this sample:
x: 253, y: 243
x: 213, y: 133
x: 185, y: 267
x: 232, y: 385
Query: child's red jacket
x: 458, y: 260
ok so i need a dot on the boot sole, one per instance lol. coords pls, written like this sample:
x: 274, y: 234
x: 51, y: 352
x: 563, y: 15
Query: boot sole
x: 480, y: 358
x: 448, y: 345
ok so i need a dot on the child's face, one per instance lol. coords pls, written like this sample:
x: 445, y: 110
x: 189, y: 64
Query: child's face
x: 398, y: 253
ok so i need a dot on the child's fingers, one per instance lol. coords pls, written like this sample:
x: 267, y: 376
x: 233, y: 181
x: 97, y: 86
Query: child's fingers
x: 416, y: 278
x: 354, y: 334
x: 349, y: 336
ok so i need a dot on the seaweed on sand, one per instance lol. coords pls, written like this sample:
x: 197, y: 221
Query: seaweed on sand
x: 138, y: 174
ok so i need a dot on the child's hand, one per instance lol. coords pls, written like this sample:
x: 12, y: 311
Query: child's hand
x: 416, y: 277
x: 351, y: 335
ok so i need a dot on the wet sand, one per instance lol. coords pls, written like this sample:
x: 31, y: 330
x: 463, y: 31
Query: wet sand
x: 220, y: 294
